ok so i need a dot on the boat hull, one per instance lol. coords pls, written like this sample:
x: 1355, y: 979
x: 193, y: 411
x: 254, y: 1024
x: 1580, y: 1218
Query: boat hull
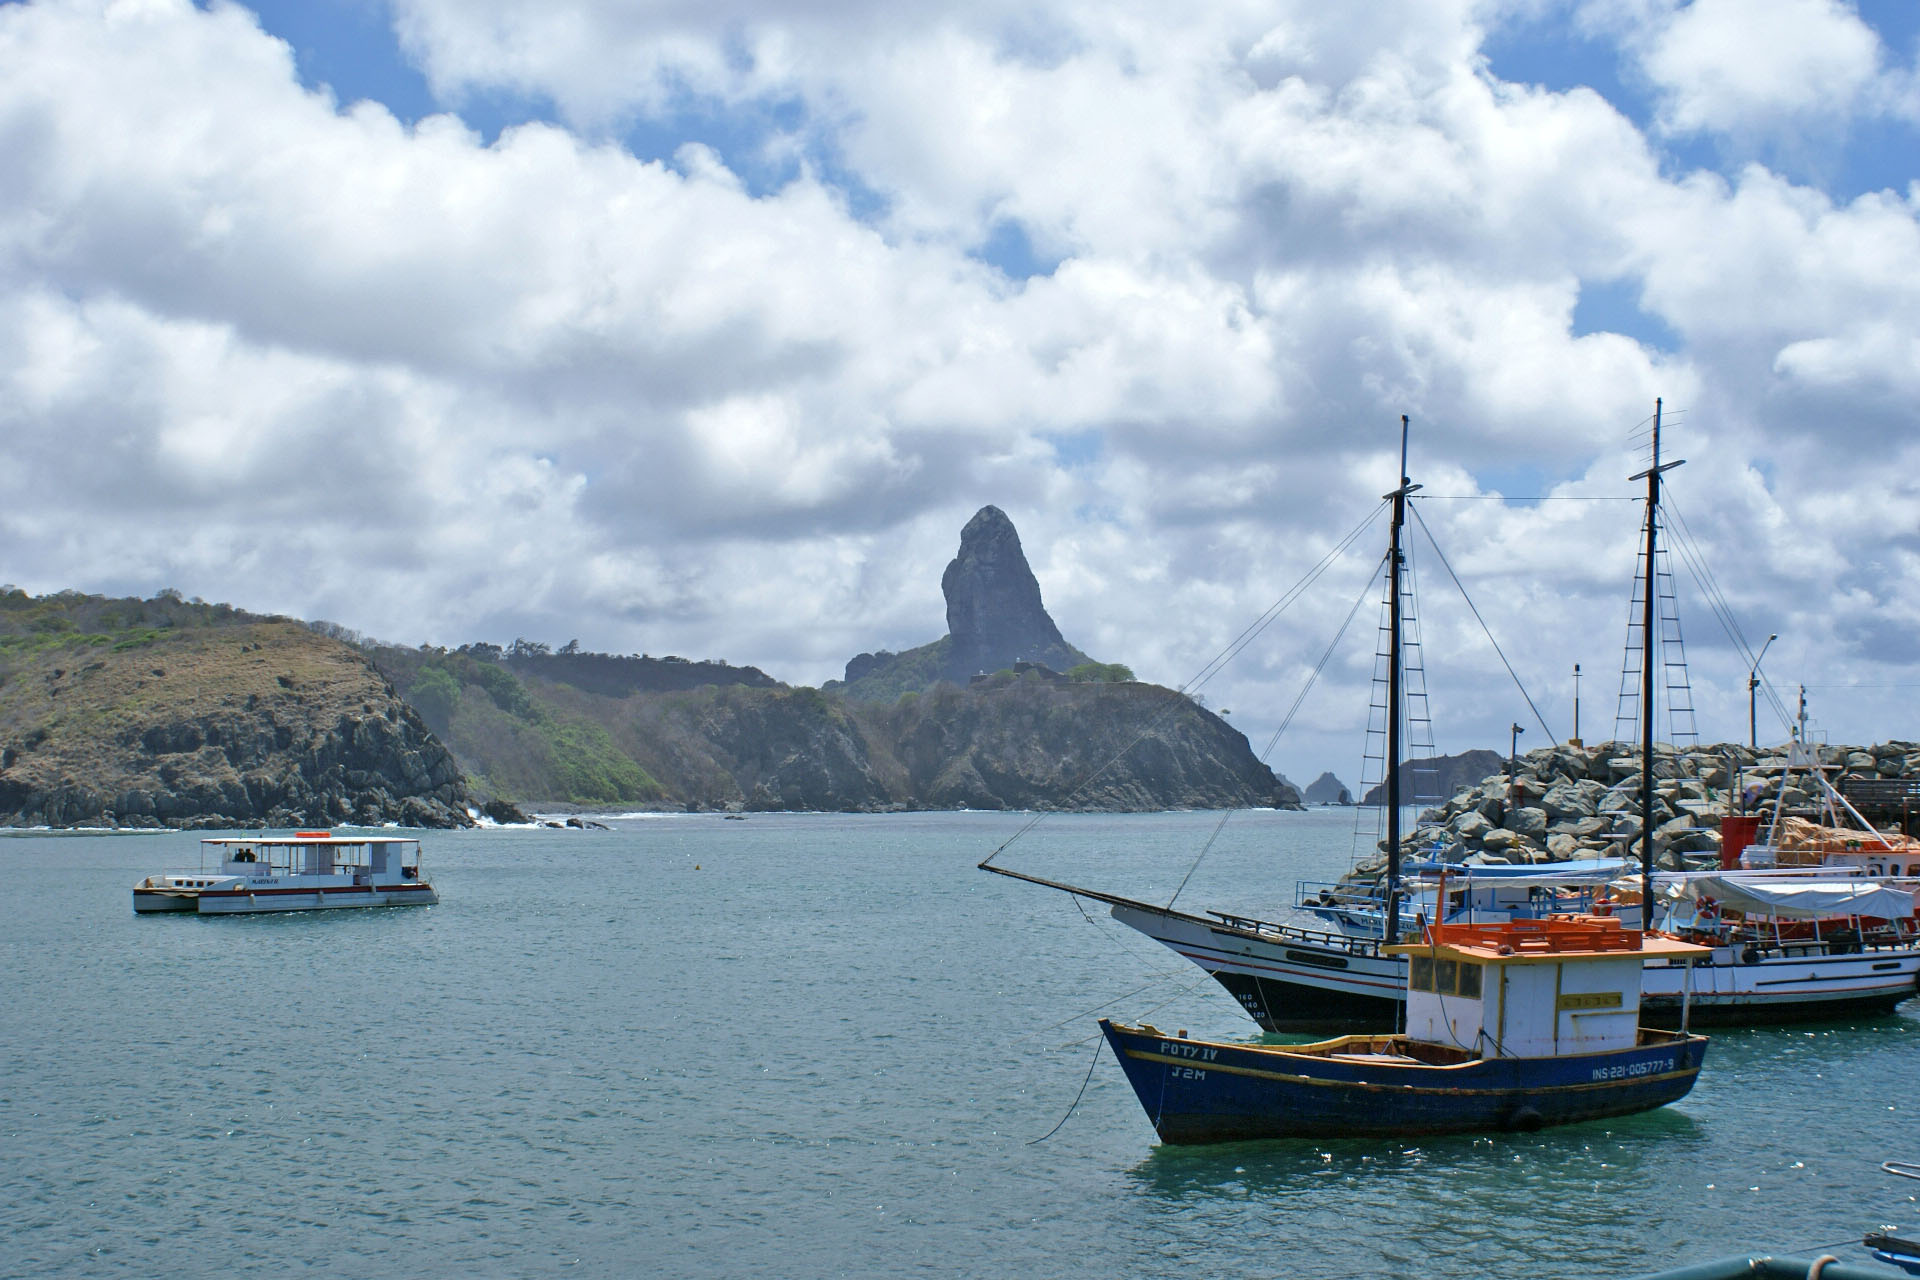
x: 1305, y: 982
x: 1293, y: 982
x: 329, y: 898
x: 1206, y: 1092
x: 264, y: 901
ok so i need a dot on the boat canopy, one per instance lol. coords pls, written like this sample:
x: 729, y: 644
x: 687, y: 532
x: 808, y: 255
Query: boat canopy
x: 1582, y: 871
x: 1799, y: 899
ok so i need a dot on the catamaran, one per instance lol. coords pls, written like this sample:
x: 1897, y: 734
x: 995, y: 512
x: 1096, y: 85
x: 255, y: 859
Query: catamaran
x: 307, y: 871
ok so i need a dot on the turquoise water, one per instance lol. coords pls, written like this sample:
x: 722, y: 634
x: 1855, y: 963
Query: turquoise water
x: 801, y: 1046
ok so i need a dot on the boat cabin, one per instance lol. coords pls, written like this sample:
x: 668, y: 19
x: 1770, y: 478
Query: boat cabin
x: 373, y: 860
x: 1531, y: 988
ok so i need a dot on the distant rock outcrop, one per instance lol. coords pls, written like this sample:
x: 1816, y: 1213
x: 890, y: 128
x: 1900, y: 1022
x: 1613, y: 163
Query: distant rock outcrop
x: 995, y: 618
x: 994, y: 613
x: 1327, y: 789
x: 1433, y: 779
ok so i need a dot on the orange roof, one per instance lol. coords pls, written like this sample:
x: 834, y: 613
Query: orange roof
x: 1556, y: 937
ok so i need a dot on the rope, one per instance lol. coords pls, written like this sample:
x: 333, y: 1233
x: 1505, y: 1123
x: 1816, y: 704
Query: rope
x: 1901, y: 1168
x: 1717, y: 602
x: 1212, y: 668
x: 1285, y: 723
x: 1076, y: 1100
x: 1538, y: 718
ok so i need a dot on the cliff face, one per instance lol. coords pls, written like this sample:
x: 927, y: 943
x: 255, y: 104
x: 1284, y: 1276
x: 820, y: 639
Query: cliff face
x: 995, y: 618
x: 1033, y: 743
x: 254, y: 722
x: 1030, y: 741
x: 994, y: 613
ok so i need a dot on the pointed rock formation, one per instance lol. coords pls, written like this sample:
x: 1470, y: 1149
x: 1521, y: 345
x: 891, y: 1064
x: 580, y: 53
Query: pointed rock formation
x: 1327, y: 789
x: 994, y: 614
x: 994, y: 620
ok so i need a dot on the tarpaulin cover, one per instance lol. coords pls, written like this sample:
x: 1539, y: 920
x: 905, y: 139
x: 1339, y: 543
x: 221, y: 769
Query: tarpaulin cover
x: 1797, y: 899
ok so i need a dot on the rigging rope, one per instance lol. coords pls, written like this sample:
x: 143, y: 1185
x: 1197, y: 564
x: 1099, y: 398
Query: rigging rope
x: 1206, y: 673
x: 1435, y: 543
x: 1717, y: 602
x: 1274, y: 741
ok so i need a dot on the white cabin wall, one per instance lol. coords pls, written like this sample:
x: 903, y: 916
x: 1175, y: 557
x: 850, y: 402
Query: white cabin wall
x: 1591, y: 1030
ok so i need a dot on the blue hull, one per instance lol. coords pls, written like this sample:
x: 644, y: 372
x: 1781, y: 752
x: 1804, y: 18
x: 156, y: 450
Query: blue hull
x: 1202, y: 1091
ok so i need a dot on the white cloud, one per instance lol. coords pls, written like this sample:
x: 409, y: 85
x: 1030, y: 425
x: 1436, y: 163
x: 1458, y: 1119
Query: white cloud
x: 263, y: 347
x: 1733, y: 66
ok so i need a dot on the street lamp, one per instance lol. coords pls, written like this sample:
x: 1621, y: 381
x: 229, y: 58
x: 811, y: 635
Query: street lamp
x: 1753, y: 683
x: 1513, y: 750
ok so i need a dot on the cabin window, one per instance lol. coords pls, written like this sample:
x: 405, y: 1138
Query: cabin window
x: 1470, y: 981
x: 1420, y: 973
x: 1446, y: 974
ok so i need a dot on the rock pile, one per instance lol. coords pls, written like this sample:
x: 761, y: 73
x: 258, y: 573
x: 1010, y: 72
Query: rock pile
x: 1567, y: 802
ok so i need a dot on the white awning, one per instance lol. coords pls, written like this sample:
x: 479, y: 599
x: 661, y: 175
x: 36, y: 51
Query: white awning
x: 1799, y: 899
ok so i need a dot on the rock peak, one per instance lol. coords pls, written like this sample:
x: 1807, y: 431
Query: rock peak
x: 994, y: 613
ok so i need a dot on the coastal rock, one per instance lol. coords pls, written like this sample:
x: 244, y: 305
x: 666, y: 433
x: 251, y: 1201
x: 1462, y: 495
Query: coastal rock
x: 1528, y: 822
x: 1327, y: 789
x: 994, y: 613
x: 250, y: 722
x: 1693, y: 790
x: 1570, y: 800
x: 995, y: 622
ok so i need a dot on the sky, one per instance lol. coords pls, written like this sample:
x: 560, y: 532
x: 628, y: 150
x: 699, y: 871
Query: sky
x: 702, y: 328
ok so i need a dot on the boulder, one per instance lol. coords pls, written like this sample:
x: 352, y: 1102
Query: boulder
x: 1529, y: 822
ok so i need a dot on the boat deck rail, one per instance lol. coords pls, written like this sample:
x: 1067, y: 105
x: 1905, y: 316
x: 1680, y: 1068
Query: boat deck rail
x: 1358, y: 946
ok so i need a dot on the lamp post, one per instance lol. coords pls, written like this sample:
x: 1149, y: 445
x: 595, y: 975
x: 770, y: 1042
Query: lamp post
x: 1513, y: 750
x: 1576, y: 707
x: 1753, y: 683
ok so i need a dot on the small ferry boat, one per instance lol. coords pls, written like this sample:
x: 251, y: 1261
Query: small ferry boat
x: 307, y: 871
x: 1510, y: 1025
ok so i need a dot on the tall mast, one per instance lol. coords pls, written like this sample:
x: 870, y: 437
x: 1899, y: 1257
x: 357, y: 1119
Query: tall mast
x: 1396, y: 692
x: 1648, y: 648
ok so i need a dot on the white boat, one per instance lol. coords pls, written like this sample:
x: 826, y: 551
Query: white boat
x: 306, y: 871
x: 1788, y: 947
x: 1292, y: 977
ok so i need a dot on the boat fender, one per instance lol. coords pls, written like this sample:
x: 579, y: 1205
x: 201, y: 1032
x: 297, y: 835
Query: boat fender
x: 1526, y: 1120
x: 1750, y: 955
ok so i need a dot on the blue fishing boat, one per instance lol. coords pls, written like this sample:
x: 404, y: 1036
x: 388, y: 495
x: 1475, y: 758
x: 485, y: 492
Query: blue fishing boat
x: 1510, y: 1025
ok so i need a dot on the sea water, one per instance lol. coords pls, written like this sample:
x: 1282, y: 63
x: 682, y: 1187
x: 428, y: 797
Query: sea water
x: 804, y: 1045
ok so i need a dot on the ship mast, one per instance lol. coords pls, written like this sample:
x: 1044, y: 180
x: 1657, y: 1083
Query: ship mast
x: 1648, y: 647
x: 1396, y: 692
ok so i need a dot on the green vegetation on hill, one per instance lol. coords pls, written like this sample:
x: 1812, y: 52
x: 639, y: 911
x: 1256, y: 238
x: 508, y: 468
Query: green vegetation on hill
x: 513, y: 742
x: 891, y: 674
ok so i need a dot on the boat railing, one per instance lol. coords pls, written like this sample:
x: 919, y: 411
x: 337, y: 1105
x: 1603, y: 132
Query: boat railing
x: 1311, y: 894
x: 1300, y: 933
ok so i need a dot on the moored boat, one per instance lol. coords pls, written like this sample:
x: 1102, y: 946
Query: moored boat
x: 307, y: 871
x: 1511, y: 1025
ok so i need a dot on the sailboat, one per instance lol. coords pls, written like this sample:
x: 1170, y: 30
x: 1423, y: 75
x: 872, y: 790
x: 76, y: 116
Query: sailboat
x: 1291, y: 977
x: 1510, y: 1025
